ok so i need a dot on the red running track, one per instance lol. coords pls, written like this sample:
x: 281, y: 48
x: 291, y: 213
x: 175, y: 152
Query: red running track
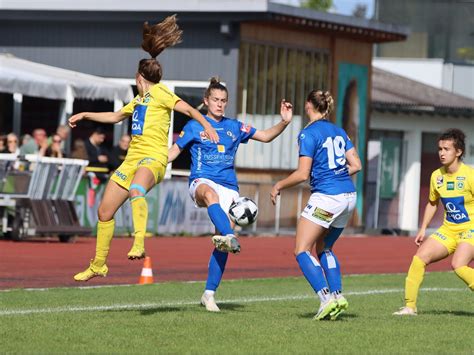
x: 47, y: 263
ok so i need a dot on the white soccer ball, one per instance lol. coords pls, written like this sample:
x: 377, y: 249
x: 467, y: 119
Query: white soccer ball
x: 243, y: 211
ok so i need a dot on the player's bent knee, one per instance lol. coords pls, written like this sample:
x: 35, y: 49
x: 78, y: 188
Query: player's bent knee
x: 136, y: 190
x: 103, y: 214
x: 425, y: 257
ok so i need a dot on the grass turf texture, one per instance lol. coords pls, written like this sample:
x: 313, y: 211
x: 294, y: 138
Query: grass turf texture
x: 258, y: 316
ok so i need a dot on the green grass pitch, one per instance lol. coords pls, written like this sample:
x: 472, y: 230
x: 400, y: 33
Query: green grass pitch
x: 258, y: 316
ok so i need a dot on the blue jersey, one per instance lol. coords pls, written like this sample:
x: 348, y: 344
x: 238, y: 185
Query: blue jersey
x: 327, y: 144
x: 210, y: 160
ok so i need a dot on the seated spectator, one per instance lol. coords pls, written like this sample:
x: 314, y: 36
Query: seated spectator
x: 3, y: 148
x: 37, y: 145
x: 63, y: 132
x: 79, y: 150
x: 118, y: 153
x: 12, y: 144
x: 54, y: 150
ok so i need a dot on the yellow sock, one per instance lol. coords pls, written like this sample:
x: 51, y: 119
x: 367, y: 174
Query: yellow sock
x: 140, y: 218
x: 466, y: 274
x: 413, y: 281
x: 105, y: 232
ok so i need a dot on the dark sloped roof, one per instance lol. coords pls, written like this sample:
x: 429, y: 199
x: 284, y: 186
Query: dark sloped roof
x: 397, y: 93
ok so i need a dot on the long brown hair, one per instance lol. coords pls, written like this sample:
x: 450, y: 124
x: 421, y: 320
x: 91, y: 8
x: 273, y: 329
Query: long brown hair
x: 155, y: 39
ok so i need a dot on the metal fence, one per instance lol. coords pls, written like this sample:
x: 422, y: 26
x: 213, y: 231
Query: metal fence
x: 37, y: 196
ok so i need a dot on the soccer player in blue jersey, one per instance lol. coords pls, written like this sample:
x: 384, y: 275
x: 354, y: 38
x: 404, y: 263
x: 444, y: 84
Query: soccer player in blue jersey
x: 328, y: 157
x: 213, y: 181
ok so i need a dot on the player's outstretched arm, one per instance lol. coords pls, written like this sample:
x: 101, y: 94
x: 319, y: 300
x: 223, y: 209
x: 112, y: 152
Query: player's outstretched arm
x: 101, y: 117
x: 430, y: 211
x: 173, y: 152
x: 353, y: 161
x: 269, y: 134
x: 188, y: 110
x: 296, y: 177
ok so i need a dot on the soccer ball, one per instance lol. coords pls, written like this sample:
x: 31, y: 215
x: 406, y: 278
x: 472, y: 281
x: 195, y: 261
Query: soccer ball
x: 243, y: 211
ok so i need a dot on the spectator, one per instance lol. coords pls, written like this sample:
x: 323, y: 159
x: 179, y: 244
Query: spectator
x: 79, y: 150
x: 54, y: 149
x: 119, y: 152
x: 63, y: 132
x: 37, y: 145
x: 2, y: 144
x: 12, y: 144
x: 96, y: 153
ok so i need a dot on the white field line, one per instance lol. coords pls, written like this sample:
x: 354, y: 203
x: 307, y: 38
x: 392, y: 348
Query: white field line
x: 145, y: 306
x: 40, y: 289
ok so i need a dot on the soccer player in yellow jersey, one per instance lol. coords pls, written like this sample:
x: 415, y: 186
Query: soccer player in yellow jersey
x: 453, y: 185
x: 147, y: 156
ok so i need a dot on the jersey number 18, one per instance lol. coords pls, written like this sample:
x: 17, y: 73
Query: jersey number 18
x: 336, y: 151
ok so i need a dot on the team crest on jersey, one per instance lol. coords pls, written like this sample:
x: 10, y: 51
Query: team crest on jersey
x: 203, y: 137
x: 245, y: 128
x: 181, y: 134
x: 450, y: 186
x: 439, y: 180
x: 220, y: 148
x: 323, y: 215
x: 460, y: 185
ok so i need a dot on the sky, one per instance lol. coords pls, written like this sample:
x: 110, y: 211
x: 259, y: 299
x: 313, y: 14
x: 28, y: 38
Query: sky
x: 343, y: 7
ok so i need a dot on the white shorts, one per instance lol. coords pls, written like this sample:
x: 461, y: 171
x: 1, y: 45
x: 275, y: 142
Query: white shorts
x: 226, y: 195
x: 330, y: 210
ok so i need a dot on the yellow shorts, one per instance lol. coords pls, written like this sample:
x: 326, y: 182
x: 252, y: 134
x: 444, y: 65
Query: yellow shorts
x: 126, y: 171
x: 452, y: 239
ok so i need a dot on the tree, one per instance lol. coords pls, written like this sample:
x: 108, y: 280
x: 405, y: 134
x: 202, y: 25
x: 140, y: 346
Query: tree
x: 320, y: 5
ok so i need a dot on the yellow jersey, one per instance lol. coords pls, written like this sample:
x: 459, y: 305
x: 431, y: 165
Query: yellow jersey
x: 456, y: 192
x: 151, y: 117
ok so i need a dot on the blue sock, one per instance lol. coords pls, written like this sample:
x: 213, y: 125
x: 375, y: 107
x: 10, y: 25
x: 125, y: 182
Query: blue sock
x: 312, y: 271
x: 216, y: 269
x: 219, y: 219
x: 331, y: 268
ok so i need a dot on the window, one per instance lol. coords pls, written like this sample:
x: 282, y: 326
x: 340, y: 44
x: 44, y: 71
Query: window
x: 268, y: 73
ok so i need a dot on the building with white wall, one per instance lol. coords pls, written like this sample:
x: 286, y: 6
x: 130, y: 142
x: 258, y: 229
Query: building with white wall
x: 408, y: 116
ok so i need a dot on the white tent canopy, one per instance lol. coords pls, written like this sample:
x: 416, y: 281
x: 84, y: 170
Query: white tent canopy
x: 20, y: 76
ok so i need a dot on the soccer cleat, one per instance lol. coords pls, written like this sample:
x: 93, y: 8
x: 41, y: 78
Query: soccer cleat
x: 92, y: 271
x: 227, y: 243
x: 405, y: 311
x: 342, y: 306
x: 326, y: 309
x: 209, y: 302
x: 136, y: 253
